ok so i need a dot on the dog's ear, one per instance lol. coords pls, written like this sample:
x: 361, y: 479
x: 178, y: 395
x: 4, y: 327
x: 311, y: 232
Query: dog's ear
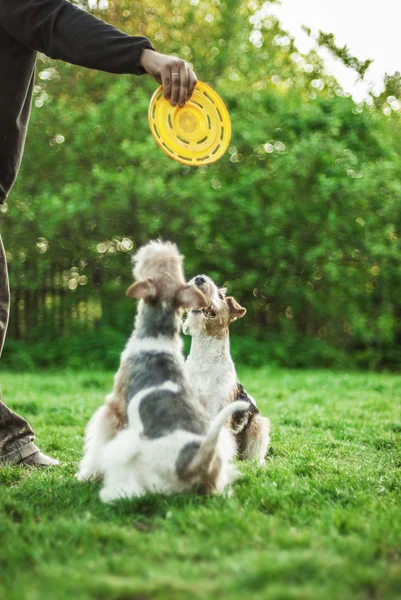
x: 189, y: 296
x: 145, y: 290
x: 236, y: 310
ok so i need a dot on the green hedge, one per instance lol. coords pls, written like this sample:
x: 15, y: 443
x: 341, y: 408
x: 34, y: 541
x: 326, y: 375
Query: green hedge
x: 300, y: 219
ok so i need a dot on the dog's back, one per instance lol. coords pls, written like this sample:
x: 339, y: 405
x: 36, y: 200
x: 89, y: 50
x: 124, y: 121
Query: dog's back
x: 160, y: 398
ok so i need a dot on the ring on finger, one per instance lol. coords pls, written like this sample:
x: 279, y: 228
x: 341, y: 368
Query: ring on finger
x: 175, y: 74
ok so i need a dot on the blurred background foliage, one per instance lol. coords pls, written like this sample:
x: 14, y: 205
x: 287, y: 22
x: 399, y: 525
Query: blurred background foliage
x: 300, y: 219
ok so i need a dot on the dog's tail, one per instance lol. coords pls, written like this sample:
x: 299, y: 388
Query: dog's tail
x: 203, y: 460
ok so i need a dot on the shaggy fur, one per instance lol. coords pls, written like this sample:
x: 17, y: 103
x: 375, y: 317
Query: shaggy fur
x: 211, y: 369
x: 170, y: 443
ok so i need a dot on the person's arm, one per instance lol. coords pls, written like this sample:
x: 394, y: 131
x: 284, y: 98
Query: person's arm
x: 63, y: 31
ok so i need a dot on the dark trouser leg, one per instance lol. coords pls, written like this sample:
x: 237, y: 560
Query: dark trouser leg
x: 4, y: 296
x: 16, y: 435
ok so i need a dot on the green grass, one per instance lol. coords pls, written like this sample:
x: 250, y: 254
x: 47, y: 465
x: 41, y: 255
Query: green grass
x: 321, y: 520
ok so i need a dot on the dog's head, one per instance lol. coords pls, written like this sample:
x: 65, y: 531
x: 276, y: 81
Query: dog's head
x: 158, y: 270
x: 215, y: 318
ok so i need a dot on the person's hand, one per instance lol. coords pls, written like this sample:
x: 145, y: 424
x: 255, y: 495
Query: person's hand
x: 175, y: 75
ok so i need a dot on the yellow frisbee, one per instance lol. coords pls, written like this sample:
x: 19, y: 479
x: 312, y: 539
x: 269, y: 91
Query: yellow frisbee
x: 198, y: 133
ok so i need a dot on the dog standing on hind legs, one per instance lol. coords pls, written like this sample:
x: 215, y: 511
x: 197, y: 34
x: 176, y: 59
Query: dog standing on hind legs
x: 211, y: 369
x: 170, y: 443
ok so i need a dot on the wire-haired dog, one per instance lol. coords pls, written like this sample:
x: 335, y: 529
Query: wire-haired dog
x: 170, y: 443
x: 211, y: 369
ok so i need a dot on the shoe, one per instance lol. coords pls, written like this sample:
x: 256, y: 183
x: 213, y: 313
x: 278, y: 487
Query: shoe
x: 39, y: 460
x: 28, y: 454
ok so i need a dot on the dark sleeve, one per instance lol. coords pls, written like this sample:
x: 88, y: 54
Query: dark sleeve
x: 63, y: 31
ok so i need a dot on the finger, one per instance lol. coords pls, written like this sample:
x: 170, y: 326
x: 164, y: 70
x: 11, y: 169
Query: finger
x: 192, y: 81
x: 183, y: 85
x: 175, y: 84
x: 166, y: 82
x: 175, y: 88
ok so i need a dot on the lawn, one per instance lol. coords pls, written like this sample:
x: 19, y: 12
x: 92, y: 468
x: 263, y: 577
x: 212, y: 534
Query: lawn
x: 322, y: 519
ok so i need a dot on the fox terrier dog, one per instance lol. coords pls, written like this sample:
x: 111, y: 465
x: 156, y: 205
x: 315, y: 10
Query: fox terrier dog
x: 211, y: 369
x: 170, y: 443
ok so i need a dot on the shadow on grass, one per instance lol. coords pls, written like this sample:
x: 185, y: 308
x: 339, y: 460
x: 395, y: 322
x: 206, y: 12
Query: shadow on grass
x: 32, y: 493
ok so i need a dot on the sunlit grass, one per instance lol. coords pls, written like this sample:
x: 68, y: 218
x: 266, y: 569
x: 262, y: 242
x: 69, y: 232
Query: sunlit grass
x: 322, y: 520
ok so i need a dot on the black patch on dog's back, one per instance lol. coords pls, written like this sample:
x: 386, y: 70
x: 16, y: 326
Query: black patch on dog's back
x: 163, y: 411
x: 152, y: 368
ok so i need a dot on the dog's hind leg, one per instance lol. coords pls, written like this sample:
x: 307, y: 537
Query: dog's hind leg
x: 120, y: 460
x: 255, y: 439
x: 102, y: 427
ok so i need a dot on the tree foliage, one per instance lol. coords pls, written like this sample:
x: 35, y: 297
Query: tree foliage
x: 300, y: 218
x: 327, y: 40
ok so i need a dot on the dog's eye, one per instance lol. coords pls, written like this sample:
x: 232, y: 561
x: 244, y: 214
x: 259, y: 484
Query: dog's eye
x: 209, y: 313
x: 221, y: 296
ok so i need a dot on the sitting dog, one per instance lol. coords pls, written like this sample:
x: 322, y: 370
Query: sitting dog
x: 211, y: 369
x: 170, y: 443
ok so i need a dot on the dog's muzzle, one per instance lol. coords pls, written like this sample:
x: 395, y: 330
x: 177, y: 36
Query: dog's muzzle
x: 199, y: 280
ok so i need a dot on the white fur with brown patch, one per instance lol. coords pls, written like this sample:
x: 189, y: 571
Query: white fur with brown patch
x: 158, y: 268
x: 210, y: 367
x: 131, y: 462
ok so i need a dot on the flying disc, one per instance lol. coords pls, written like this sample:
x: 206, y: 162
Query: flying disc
x: 196, y: 134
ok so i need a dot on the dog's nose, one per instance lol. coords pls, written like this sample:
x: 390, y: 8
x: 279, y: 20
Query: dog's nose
x: 199, y: 280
